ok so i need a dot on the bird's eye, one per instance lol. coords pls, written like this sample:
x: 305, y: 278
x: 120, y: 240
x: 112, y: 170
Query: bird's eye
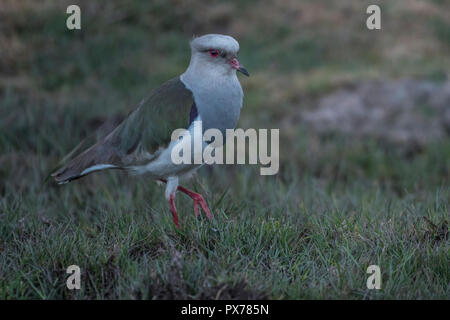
x: 213, y: 53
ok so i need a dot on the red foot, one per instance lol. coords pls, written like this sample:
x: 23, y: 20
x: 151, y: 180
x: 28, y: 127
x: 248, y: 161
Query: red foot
x: 174, y: 210
x: 198, y: 200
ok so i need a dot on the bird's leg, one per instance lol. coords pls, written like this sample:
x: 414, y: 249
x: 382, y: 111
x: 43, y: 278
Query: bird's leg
x: 198, y: 200
x: 171, y: 188
x: 173, y: 209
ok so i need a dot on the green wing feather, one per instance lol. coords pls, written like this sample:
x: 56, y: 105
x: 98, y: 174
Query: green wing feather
x: 146, y: 129
x: 166, y: 109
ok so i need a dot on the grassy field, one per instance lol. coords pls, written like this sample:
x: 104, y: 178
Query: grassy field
x: 338, y: 204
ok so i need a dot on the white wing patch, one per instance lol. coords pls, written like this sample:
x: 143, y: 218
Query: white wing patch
x: 97, y: 167
x: 162, y: 166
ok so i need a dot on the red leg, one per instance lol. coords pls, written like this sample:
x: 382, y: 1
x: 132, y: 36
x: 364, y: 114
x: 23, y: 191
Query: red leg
x: 198, y: 200
x: 174, y: 210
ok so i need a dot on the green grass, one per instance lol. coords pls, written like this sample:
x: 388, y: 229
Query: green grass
x: 289, y: 240
x: 338, y: 204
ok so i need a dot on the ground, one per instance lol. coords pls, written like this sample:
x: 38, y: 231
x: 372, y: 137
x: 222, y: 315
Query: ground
x: 340, y: 203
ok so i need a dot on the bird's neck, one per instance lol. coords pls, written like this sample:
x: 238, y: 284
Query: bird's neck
x: 211, y: 81
x: 218, y: 97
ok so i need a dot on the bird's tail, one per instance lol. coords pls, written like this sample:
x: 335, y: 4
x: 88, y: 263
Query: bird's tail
x: 96, y: 158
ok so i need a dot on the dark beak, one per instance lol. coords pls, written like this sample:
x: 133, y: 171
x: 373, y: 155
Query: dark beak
x: 243, y: 71
x: 237, y: 66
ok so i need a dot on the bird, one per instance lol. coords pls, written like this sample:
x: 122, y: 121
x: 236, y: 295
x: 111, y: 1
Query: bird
x: 208, y: 91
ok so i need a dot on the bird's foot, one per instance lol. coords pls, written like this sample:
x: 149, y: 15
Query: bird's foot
x: 198, y: 200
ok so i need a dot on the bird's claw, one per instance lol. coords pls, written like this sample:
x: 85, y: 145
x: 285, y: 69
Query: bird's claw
x: 199, y: 200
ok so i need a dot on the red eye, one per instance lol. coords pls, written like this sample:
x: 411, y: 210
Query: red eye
x: 213, y: 53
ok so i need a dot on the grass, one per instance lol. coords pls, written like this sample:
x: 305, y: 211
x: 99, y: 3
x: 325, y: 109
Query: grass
x: 283, y: 240
x: 338, y: 204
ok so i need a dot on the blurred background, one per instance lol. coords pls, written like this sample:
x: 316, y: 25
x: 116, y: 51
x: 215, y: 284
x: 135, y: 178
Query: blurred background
x: 364, y: 119
x: 317, y: 72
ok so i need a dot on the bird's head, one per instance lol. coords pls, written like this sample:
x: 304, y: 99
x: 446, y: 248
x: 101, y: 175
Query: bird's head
x: 216, y: 53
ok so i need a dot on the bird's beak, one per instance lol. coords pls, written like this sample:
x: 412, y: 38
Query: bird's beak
x: 244, y: 71
x: 236, y: 65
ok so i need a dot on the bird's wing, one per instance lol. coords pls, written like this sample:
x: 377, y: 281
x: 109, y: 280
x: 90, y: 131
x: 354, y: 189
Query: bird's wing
x: 138, y: 138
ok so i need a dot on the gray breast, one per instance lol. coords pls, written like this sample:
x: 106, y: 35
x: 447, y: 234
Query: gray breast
x: 218, y: 103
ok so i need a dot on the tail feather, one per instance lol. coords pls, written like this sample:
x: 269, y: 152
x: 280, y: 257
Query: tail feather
x: 98, y: 157
x: 67, y: 173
